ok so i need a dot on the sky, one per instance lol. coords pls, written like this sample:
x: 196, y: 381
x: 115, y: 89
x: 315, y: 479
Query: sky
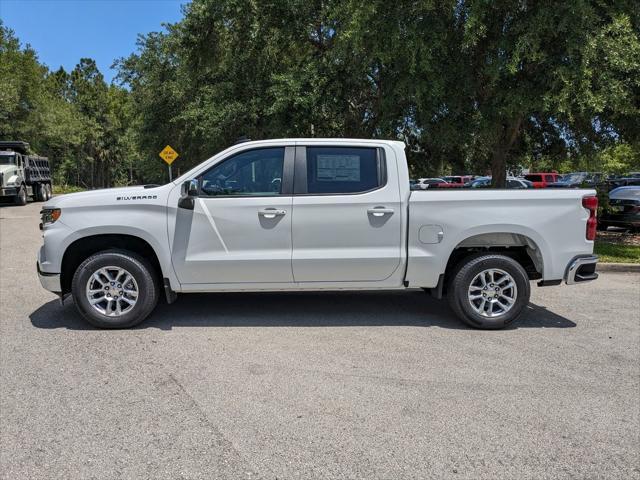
x: 63, y: 31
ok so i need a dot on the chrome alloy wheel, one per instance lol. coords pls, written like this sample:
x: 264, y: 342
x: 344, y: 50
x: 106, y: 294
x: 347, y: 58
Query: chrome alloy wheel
x: 112, y: 291
x: 492, y: 293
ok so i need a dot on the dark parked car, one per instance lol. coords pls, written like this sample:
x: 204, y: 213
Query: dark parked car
x: 623, y: 181
x: 579, y: 179
x: 624, y: 209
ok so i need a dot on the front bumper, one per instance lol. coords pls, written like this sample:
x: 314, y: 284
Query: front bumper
x: 8, y: 191
x: 49, y: 281
x: 581, y: 269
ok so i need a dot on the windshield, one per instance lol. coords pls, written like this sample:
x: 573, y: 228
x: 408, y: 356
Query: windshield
x: 574, y: 178
x: 482, y: 182
x: 533, y: 178
x: 7, y: 159
x: 625, y: 193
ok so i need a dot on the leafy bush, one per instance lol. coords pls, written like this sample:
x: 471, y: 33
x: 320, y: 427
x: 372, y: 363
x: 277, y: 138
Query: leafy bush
x: 62, y: 189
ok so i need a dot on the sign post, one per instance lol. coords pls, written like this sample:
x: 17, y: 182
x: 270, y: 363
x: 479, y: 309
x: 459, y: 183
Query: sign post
x: 168, y: 154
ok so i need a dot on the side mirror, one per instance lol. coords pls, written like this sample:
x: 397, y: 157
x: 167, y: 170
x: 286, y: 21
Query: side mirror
x: 190, y: 189
x: 188, y: 192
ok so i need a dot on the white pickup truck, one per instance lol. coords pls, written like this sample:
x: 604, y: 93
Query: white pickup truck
x: 312, y: 214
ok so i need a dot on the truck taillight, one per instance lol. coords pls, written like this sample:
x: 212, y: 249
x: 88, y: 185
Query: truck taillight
x: 591, y: 204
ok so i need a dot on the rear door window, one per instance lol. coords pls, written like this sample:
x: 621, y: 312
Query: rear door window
x: 343, y: 170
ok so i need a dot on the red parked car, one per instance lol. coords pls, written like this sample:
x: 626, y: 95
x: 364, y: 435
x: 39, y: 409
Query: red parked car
x: 456, y: 181
x: 541, y: 180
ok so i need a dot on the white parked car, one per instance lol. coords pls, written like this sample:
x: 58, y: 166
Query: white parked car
x: 512, y: 182
x: 312, y: 214
x: 424, y: 183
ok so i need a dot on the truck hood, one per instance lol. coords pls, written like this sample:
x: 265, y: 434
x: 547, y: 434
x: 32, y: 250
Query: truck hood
x: 8, y: 169
x: 111, y: 196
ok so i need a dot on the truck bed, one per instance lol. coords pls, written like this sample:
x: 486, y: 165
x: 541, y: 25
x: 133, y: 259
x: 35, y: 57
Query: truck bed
x: 550, y: 224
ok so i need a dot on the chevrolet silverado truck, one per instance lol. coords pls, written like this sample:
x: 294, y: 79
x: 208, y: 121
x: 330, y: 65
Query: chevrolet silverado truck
x: 312, y: 214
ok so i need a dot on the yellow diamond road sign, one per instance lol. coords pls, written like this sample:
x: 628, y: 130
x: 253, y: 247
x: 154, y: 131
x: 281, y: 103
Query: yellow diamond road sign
x: 168, y: 154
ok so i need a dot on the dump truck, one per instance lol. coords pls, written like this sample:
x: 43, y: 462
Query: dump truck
x: 23, y: 175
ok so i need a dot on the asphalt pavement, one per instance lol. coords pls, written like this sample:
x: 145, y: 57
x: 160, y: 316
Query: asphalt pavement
x: 382, y: 385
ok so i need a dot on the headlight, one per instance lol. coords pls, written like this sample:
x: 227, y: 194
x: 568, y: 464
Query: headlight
x: 50, y: 215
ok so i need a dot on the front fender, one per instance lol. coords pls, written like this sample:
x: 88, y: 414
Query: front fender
x: 59, y: 236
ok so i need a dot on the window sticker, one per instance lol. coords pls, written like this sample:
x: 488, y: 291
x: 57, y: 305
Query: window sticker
x: 338, y: 168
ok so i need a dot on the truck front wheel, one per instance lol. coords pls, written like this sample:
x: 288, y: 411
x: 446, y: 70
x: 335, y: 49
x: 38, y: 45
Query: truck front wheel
x: 21, y: 197
x: 115, y: 289
x: 489, y: 291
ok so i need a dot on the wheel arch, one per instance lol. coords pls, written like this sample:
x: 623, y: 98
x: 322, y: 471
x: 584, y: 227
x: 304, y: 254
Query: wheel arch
x: 82, y: 248
x: 527, y: 248
x: 521, y: 247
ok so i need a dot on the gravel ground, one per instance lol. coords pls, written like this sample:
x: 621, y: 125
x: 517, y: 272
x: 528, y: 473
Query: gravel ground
x: 349, y: 385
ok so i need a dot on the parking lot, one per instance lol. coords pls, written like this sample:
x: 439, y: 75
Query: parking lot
x: 328, y: 385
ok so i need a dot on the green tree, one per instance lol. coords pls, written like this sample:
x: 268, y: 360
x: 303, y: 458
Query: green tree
x: 471, y: 86
x: 82, y: 124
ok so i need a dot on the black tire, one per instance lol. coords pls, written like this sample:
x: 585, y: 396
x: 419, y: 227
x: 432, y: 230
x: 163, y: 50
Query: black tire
x: 40, y: 193
x: 49, y: 192
x: 463, y: 276
x: 21, y: 197
x: 138, y: 267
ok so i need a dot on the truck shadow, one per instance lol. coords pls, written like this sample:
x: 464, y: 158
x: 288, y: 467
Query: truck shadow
x: 297, y: 309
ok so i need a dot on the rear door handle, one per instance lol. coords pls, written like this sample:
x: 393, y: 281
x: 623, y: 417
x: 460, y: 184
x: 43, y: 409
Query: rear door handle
x: 271, y: 212
x: 380, y: 211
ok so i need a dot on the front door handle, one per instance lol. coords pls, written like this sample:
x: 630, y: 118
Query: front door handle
x: 271, y: 212
x: 380, y: 211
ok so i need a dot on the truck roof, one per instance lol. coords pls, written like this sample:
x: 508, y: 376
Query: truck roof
x: 14, y: 145
x: 324, y: 140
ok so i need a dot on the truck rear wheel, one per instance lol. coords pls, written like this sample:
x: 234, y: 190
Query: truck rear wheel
x: 49, y: 192
x: 40, y: 192
x: 489, y: 291
x: 21, y: 197
x: 115, y: 289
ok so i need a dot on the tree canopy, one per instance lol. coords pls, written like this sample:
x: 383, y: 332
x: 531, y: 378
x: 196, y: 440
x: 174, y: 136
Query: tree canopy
x: 82, y: 124
x: 471, y: 86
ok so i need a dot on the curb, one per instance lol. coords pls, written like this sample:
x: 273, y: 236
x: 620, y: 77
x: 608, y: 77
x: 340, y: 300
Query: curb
x: 618, y: 267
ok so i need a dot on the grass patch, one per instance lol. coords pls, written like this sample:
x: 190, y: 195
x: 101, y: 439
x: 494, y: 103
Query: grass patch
x: 612, y: 253
x: 62, y: 189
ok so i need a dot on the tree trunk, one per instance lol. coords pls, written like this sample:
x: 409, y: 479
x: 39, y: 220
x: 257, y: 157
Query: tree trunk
x: 499, y: 168
x: 510, y: 132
